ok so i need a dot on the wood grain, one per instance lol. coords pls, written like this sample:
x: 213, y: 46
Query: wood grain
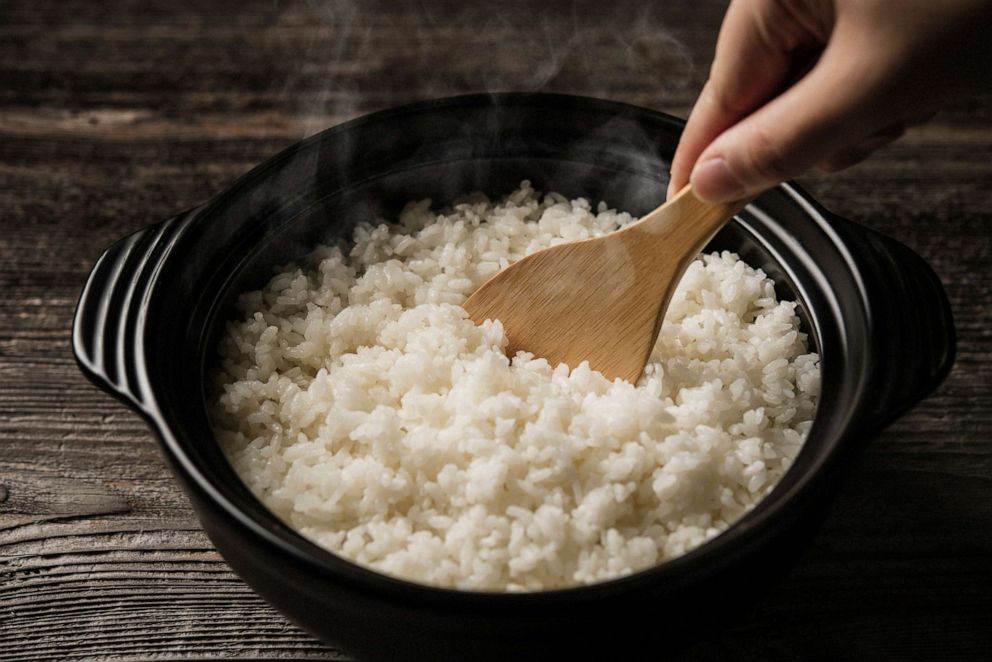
x: 120, y: 113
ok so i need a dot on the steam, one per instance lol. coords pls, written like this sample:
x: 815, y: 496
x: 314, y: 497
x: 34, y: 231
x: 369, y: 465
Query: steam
x: 362, y: 55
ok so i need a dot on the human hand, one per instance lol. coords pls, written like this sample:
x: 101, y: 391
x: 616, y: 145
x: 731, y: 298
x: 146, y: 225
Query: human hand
x: 802, y: 83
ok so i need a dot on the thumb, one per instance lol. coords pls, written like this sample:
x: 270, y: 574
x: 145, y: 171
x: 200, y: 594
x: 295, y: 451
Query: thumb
x: 824, y: 113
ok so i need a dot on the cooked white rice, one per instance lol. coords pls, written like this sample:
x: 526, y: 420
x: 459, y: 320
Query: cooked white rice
x: 361, y: 406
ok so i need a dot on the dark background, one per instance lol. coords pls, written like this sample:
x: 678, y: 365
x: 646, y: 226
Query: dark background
x: 114, y: 115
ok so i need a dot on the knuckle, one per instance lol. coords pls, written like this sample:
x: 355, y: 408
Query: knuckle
x: 768, y: 157
x: 722, y: 99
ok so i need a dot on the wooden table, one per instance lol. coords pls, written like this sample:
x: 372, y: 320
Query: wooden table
x: 117, y: 114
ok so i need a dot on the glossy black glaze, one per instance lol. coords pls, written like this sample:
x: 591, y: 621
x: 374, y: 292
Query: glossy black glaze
x: 149, y: 317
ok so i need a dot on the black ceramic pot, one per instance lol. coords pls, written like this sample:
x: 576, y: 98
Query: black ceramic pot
x: 150, y: 315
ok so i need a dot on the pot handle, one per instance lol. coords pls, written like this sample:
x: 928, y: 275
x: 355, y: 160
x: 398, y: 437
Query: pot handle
x: 108, y: 328
x: 912, y: 328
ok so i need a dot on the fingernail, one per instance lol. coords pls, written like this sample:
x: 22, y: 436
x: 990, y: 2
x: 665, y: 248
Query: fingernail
x: 712, y: 181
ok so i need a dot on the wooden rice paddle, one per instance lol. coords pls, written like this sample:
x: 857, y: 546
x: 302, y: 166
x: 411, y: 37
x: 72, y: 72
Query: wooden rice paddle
x: 601, y: 300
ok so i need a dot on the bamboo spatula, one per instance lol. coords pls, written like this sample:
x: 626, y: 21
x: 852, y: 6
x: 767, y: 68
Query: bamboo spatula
x: 601, y: 300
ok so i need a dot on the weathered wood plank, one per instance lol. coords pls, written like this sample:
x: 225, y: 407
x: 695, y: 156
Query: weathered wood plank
x: 117, y: 114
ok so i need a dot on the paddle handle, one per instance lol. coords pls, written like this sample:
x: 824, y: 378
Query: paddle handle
x: 685, y: 224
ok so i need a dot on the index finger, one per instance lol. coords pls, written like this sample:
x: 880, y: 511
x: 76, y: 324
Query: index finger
x: 757, y: 48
